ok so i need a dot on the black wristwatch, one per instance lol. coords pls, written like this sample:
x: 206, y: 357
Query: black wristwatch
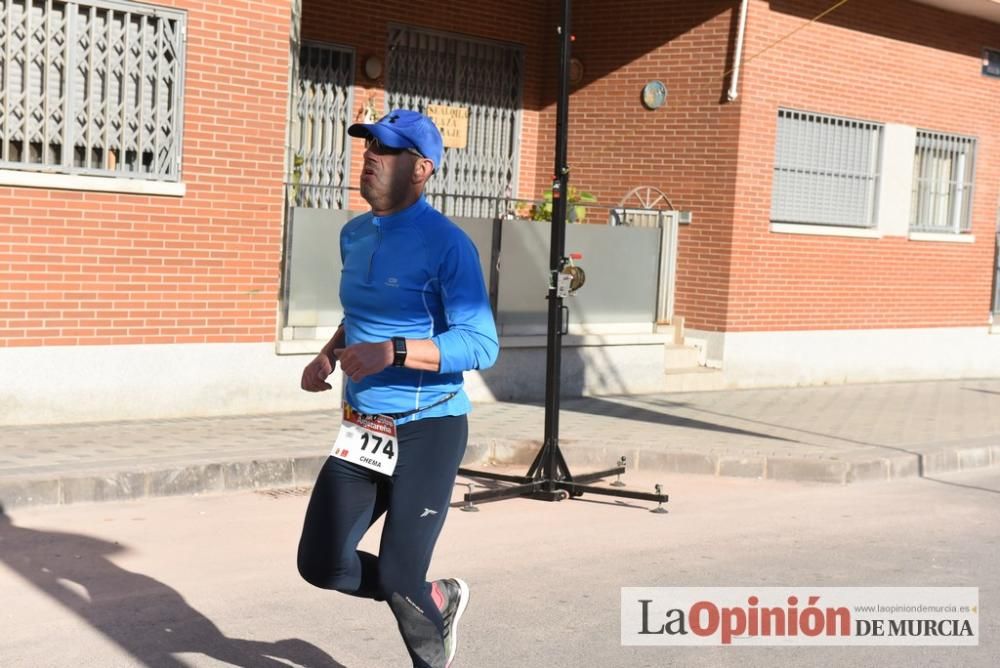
x: 398, y: 351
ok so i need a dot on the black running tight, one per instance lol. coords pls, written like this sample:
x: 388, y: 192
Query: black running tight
x: 348, y: 499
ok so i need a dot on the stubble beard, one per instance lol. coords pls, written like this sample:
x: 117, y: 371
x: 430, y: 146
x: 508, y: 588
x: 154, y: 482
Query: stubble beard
x: 377, y: 195
x: 367, y: 192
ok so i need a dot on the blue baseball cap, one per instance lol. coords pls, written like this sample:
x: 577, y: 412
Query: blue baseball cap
x: 403, y: 128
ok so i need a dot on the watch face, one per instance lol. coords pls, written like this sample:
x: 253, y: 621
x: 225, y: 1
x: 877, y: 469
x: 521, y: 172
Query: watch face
x: 654, y: 95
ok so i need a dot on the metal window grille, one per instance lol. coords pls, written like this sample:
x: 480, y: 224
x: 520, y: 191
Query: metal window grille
x: 826, y: 170
x: 427, y: 67
x: 942, y: 183
x: 91, y: 88
x: 321, y: 116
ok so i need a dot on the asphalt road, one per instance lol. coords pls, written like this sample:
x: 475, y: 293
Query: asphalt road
x: 211, y: 581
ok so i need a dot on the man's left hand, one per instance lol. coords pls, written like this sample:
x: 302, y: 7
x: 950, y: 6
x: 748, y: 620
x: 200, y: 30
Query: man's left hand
x: 364, y: 359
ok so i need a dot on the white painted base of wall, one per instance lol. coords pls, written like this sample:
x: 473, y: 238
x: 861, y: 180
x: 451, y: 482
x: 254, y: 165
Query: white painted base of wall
x: 62, y: 384
x: 99, y: 383
x: 763, y: 359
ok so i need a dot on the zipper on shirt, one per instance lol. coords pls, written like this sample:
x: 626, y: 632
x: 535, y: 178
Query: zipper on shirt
x: 378, y: 244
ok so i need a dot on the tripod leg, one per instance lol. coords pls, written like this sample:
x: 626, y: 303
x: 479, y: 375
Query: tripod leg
x: 539, y: 458
x: 562, y: 468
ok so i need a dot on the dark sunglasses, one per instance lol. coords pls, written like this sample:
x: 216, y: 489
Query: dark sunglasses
x: 378, y: 148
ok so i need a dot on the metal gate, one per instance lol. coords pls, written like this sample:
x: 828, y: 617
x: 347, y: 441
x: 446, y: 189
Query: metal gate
x: 91, y: 87
x: 426, y: 67
x: 321, y: 113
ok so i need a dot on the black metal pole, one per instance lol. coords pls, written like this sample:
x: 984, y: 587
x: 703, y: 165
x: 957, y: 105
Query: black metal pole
x: 557, y: 251
x: 549, y: 478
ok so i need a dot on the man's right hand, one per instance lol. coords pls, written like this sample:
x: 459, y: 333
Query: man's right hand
x: 315, y: 374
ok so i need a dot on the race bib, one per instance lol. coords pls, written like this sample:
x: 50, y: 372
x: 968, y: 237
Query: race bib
x: 367, y: 440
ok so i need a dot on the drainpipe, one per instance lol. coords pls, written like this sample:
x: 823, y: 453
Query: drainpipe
x: 733, y: 86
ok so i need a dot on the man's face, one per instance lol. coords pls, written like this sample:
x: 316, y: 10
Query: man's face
x: 387, y: 180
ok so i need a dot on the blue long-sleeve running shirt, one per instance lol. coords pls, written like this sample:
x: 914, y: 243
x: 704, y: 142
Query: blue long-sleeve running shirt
x: 415, y: 274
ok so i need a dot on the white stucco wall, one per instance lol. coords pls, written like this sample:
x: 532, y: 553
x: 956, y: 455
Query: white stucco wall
x: 92, y: 383
x: 759, y: 359
x: 98, y: 383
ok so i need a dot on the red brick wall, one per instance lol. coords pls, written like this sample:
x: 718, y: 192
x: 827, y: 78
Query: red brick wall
x: 687, y: 148
x: 892, y: 62
x: 96, y: 268
x: 99, y: 268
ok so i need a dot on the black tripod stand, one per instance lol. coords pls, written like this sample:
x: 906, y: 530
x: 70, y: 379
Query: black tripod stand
x: 549, y: 477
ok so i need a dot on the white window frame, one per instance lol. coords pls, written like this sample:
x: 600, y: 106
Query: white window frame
x: 822, y: 163
x: 943, y: 183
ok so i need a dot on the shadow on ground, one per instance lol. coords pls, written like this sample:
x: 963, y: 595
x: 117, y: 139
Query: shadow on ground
x: 146, y: 618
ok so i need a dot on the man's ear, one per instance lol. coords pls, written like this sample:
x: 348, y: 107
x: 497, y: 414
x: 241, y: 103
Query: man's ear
x: 422, y: 171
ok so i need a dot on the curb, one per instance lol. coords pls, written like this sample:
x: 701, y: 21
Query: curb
x: 217, y: 477
x: 864, y: 467
x: 187, y: 479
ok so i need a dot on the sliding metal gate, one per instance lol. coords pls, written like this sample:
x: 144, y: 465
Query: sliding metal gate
x: 321, y: 112
x: 432, y: 68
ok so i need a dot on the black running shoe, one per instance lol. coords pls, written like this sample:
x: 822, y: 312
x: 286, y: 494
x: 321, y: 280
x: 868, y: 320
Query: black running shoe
x: 456, y: 594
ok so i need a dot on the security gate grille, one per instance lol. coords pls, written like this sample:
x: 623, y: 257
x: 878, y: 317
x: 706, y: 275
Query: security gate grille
x: 826, y: 169
x: 426, y: 68
x: 91, y: 87
x: 943, y: 169
x: 322, y: 112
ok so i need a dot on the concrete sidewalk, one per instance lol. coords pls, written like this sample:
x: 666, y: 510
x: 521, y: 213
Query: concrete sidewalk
x: 836, y: 434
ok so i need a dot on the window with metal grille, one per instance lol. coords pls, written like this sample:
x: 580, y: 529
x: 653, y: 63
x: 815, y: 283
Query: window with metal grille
x: 826, y: 170
x: 942, y: 183
x: 91, y: 87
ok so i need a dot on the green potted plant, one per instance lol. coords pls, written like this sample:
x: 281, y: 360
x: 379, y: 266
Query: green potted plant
x: 576, y: 209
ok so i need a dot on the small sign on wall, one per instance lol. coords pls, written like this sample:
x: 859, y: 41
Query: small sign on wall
x: 453, y: 122
x: 991, y: 62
